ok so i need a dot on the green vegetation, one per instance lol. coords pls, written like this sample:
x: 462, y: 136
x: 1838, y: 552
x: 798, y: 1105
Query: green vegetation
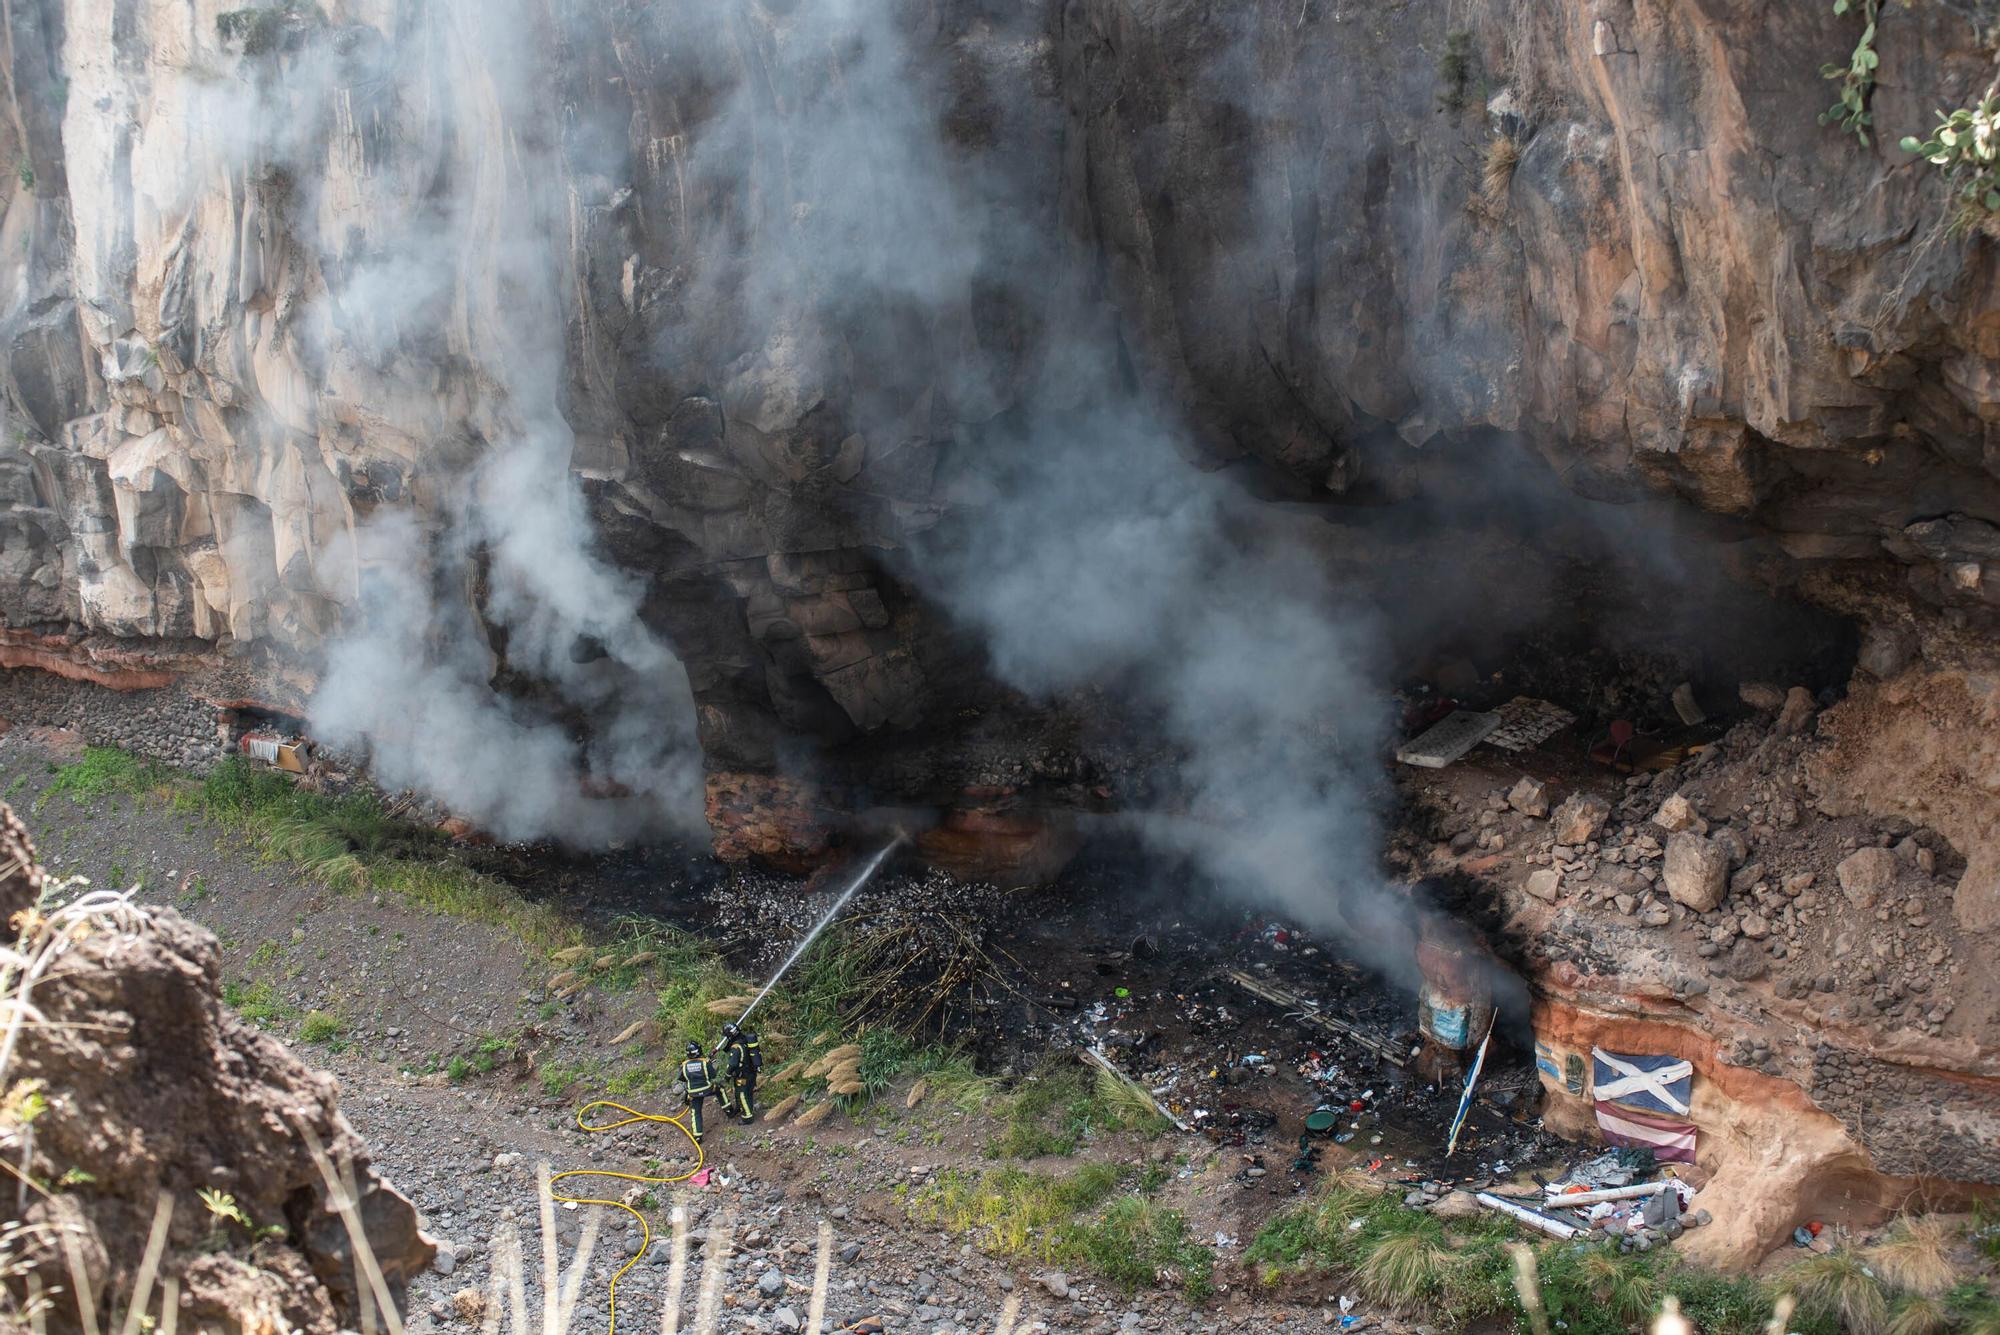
x: 1975, y: 1311
x: 1965, y: 143
x: 490, y: 1053
x: 693, y: 979
x: 104, y: 771
x: 555, y: 1077
x: 257, y: 1002
x: 1454, y: 71
x: 1409, y: 1260
x: 24, y: 172
x: 1840, y: 1286
x: 1857, y: 78
x: 348, y: 843
x: 1063, y: 1105
x: 1138, y: 1242
x: 1985, y: 1230
x: 1073, y: 1219
x: 322, y: 1027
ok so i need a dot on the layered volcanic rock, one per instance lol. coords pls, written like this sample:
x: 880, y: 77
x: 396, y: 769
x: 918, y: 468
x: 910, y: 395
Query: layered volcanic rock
x: 260, y: 289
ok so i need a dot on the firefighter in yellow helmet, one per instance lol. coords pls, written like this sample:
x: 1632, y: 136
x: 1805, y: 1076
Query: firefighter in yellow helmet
x: 698, y: 1075
x: 743, y: 1057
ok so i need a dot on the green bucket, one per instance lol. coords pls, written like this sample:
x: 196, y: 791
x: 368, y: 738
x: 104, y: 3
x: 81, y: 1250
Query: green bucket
x: 1321, y: 1121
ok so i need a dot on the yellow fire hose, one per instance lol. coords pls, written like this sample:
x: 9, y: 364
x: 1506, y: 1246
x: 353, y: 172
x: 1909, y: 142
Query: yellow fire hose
x: 631, y: 1115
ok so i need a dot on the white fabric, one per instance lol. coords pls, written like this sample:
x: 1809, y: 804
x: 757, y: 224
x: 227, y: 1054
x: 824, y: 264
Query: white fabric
x: 1631, y: 1080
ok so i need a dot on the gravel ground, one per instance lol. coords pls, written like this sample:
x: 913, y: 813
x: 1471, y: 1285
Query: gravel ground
x: 414, y: 987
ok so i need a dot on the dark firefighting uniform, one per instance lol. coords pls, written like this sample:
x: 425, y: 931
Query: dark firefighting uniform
x: 698, y: 1074
x: 745, y: 1056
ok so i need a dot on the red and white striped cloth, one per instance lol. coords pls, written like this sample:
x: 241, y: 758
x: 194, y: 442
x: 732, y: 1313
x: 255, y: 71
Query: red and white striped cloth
x: 1666, y: 1137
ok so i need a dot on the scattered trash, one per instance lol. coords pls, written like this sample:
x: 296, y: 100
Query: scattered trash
x: 1312, y: 1015
x: 1526, y: 723
x: 1624, y: 749
x: 285, y: 753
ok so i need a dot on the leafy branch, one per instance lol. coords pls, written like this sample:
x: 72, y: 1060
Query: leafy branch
x: 1857, y: 77
x: 1966, y: 143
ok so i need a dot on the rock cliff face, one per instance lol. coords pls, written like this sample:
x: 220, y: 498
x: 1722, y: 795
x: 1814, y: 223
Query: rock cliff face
x: 781, y: 280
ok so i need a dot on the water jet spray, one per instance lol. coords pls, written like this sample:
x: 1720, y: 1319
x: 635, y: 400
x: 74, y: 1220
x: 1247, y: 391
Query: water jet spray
x: 861, y: 878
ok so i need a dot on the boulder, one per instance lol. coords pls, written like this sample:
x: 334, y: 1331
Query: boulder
x: 1578, y: 820
x: 1530, y: 797
x: 1697, y: 871
x: 1545, y: 884
x: 1798, y: 710
x: 1675, y: 814
x: 1761, y: 695
x: 1746, y: 962
x: 1865, y: 874
x: 1886, y: 649
x: 162, y: 1088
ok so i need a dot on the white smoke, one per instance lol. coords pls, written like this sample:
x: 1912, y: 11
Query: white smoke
x: 491, y: 657
x: 1086, y: 550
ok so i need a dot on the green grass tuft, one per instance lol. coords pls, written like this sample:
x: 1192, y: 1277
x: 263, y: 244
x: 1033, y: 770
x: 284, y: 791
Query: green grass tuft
x: 1064, y: 1105
x: 257, y: 1002
x: 1916, y: 1256
x: 322, y: 1027
x: 1839, y: 1286
x: 104, y: 771
x: 1072, y: 1219
x: 1138, y: 1243
x: 1409, y: 1266
x: 1919, y: 1314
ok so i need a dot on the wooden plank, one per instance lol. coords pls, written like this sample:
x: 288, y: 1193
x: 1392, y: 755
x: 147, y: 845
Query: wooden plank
x: 1313, y: 1015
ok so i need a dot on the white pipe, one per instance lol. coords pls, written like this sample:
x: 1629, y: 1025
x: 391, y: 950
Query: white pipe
x: 1580, y: 1198
x: 1541, y: 1223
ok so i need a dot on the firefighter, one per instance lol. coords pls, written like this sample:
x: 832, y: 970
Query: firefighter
x: 744, y: 1057
x: 698, y: 1075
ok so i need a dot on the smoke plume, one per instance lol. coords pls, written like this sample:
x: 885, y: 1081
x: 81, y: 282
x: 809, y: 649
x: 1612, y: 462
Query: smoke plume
x: 491, y: 656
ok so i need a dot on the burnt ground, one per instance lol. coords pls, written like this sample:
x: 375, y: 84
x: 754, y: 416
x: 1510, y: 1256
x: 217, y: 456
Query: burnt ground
x: 1132, y: 956
x: 411, y: 989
